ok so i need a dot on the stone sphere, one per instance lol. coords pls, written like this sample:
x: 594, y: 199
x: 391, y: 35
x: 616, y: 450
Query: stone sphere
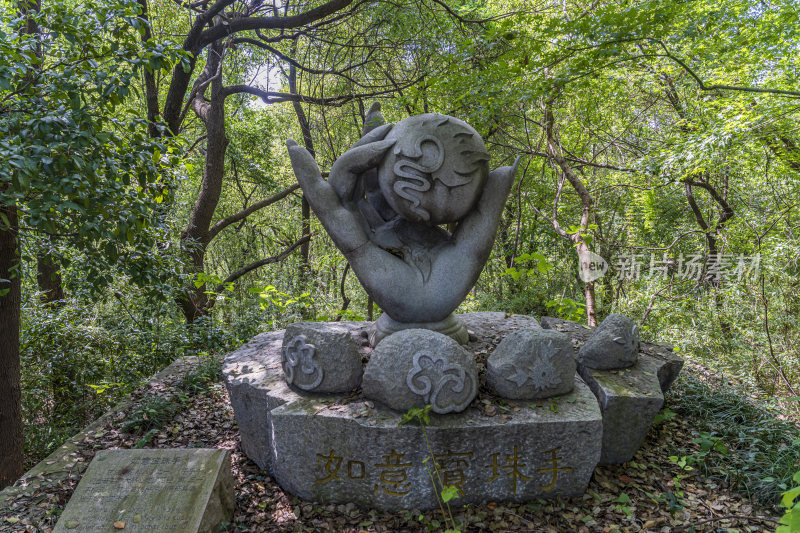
x: 436, y: 170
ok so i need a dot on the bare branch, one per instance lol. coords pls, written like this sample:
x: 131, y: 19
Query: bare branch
x: 271, y: 97
x: 258, y: 264
x: 219, y: 31
x: 244, y: 213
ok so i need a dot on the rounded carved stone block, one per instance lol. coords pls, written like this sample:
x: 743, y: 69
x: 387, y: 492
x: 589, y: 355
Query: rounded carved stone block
x: 416, y: 367
x: 531, y: 364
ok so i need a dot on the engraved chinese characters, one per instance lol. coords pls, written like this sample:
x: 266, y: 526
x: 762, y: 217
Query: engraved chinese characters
x: 359, y: 454
x: 416, y: 367
x: 396, y: 474
x: 531, y: 364
x: 145, y: 491
x: 383, y: 205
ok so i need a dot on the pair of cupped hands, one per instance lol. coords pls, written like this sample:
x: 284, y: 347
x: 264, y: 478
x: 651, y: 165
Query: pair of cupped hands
x: 397, y: 286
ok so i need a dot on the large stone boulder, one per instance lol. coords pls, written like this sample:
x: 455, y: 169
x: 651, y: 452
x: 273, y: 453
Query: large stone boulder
x: 613, y: 345
x: 322, y: 356
x: 415, y: 367
x: 532, y: 364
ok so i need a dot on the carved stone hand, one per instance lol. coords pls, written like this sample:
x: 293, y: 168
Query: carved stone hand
x: 386, y: 199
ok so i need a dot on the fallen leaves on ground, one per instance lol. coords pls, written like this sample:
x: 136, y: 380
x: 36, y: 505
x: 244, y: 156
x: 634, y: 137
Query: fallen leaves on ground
x: 652, y: 501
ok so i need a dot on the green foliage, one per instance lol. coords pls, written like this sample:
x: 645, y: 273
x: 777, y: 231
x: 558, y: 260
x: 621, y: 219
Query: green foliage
x: 76, y: 162
x: 539, y: 264
x: 79, y: 360
x: 633, y: 122
x: 153, y: 414
x: 420, y: 416
x: 567, y: 308
x: 282, y: 303
x: 740, y: 442
x: 208, y: 371
x: 444, y: 493
x: 790, y: 521
x: 622, y: 504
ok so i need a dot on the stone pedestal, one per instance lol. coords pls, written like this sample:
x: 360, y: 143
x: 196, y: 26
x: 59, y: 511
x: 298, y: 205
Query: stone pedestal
x: 629, y: 398
x: 336, y: 449
x: 354, y: 453
x: 450, y: 326
x: 344, y: 448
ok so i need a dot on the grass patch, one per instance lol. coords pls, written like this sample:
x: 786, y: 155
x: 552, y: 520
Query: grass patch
x: 742, y: 443
x: 198, y: 380
x: 152, y: 414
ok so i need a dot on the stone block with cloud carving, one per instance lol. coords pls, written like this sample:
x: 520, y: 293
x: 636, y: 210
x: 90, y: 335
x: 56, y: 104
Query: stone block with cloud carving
x: 322, y: 356
x: 416, y: 367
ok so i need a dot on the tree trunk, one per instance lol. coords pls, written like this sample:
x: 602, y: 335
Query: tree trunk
x: 587, y: 203
x: 588, y: 286
x: 150, y: 89
x: 11, y: 443
x: 48, y: 277
x: 308, y: 142
x: 195, y: 238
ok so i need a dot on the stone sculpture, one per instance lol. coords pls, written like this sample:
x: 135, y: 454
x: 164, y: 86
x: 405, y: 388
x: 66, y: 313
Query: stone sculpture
x: 384, y: 205
x: 614, y: 344
x: 531, y: 364
x: 415, y: 367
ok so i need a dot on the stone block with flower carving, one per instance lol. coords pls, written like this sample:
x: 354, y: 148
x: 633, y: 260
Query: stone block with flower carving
x: 532, y: 364
x: 416, y: 367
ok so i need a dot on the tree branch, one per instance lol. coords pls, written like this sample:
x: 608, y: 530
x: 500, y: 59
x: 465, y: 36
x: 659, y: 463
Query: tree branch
x: 223, y: 29
x: 284, y: 57
x: 727, y: 210
x: 718, y: 87
x: 698, y: 215
x: 257, y: 264
x: 271, y: 97
x: 244, y: 213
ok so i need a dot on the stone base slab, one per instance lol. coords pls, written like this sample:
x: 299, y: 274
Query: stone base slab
x: 354, y: 453
x: 344, y: 448
x: 333, y: 449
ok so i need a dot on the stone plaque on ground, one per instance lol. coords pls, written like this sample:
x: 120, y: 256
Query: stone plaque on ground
x: 167, y: 490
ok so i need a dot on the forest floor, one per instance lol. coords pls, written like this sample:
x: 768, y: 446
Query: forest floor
x: 650, y: 493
